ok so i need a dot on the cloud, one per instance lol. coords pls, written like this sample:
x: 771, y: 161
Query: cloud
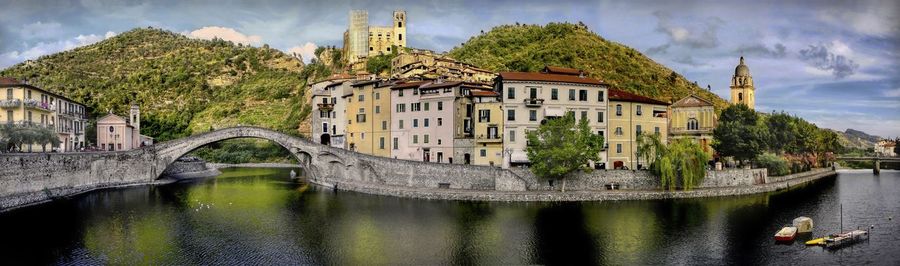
x: 228, y: 34
x: 662, y: 49
x: 892, y: 93
x: 831, y: 57
x: 777, y: 51
x: 702, y: 35
x: 872, y: 18
x: 45, y: 48
x: 687, y: 60
x: 307, y: 51
x: 40, y: 30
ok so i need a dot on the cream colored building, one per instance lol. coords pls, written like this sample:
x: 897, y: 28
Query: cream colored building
x: 362, y: 40
x: 529, y: 98
x: 630, y: 116
x: 369, y: 117
x: 693, y: 117
x: 742, y: 90
x: 26, y: 104
x: 116, y: 133
x: 424, y: 64
x: 488, y: 129
x: 329, y: 110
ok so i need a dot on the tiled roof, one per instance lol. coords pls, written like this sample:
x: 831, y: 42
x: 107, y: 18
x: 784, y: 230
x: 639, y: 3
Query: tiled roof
x: 409, y: 84
x: 692, y: 101
x: 484, y: 93
x: 9, y: 81
x: 435, y: 85
x: 619, y: 95
x: 537, y: 76
x: 561, y: 70
x: 364, y: 82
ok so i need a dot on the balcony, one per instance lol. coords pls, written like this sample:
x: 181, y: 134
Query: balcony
x: 489, y: 138
x: 326, y: 106
x: 685, y: 130
x: 534, y: 102
x: 35, y: 104
x: 10, y: 103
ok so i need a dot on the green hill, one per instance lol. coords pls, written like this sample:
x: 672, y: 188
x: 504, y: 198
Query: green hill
x: 182, y: 85
x: 530, y: 47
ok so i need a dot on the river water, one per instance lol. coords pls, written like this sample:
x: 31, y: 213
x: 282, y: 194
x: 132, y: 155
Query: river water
x: 260, y: 216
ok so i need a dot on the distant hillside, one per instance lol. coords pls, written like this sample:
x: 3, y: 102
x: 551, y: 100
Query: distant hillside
x: 530, y: 47
x: 857, y: 139
x: 182, y: 85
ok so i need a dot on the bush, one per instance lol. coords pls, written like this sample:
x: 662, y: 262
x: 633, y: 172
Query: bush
x: 776, y: 165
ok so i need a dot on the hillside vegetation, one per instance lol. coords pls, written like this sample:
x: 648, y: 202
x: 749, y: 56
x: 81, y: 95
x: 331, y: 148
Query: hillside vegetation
x: 530, y: 47
x: 182, y: 85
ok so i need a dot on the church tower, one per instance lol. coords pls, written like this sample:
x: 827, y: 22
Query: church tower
x: 399, y: 38
x: 742, y: 90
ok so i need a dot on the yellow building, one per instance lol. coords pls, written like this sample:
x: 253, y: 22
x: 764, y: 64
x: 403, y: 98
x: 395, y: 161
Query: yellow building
x: 693, y: 117
x: 742, y: 90
x: 632, y: 115
x: 488, y: 128
x: 28, y: 105
x: 362, y: 40
x: 369, y: 117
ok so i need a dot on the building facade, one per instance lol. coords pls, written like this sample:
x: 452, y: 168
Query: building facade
x: 116, y: 133
x: 423, y: 64
x: 632, y: 115
x: 532, y: 97
x: 742, y: 90
x: 885, y: 147
x: 695, y: 118
x: 369, y: 117
x: 28, y: 105
x: 488, y: 129
x: 329, y: 110
x: 362, y: 40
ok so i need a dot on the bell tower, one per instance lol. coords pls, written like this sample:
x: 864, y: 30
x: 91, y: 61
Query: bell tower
x: 742, y: 90
x: 399, y: 38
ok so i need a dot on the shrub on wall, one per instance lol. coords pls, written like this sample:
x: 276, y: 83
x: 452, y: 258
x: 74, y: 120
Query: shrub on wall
x: 775, y: 165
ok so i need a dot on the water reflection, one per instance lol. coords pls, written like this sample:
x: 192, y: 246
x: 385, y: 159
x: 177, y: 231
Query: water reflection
x: 262, y: 216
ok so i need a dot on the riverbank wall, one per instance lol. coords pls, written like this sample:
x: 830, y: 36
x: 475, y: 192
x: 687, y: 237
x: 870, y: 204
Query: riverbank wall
x: 180, y: 170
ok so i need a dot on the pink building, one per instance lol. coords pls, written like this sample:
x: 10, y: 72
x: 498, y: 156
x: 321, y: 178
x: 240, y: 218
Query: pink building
x: 116, y: 133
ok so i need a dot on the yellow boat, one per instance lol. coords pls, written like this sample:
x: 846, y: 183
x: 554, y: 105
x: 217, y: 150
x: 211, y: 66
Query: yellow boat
x: 817, y: 241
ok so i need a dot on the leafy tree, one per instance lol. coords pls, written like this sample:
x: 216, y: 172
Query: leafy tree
x: 738, y: 134
x: 683, y: 161
x: 380, y: 63
x: 782, y: 133
x: 562, y: 146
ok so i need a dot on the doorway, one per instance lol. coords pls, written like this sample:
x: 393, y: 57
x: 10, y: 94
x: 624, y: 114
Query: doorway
x: 426, y: 155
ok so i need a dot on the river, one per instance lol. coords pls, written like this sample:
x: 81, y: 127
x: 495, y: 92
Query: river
x: 260, y: 216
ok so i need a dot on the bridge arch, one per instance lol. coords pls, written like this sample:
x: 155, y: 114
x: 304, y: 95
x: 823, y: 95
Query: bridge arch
x: 302, y: 150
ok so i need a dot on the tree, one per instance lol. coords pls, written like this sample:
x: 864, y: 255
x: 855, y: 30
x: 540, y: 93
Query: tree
x: 897, y: 145
x: 560, y: 147
x: 738, y: 133
x: 782, y: 133
x: 682, y: 161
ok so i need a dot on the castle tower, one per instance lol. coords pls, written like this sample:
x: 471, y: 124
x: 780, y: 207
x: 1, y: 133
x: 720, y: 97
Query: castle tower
x: 358, y: 35
x: 742, y: 90
x: 399, y: 38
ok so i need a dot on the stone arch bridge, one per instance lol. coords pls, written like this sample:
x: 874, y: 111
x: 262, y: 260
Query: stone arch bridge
x: 31, y: 178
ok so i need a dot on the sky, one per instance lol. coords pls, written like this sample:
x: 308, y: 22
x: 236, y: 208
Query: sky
x: 834, y: 63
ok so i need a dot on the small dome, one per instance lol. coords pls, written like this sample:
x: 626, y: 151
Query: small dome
x: 742, y: 70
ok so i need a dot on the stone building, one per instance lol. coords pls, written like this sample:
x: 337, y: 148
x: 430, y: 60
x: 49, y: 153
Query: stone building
x: 362, y: 40
x: 116, y: 133
x: 328, y: 110
x: 693, y: 117
x: 885, y: 147
x: 424, y: 64
x: 632, y: 115
x: 742, y: 90
x: 28, y: 105
x: 369, y: 117
x: 529, y: 98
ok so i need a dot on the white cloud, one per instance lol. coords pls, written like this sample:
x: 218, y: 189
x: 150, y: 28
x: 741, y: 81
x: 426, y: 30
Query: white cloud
x: 41, y: 30
x: 307, y: 51
x: 228, y: 34
x: 45, y: 48
x: 892, y: 93
x: 879, y: 19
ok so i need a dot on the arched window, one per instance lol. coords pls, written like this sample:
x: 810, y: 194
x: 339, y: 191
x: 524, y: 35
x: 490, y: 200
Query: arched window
x: 740, y: 96
x: 692, y: 124
x: 111, y: 129
x: 618, y: 110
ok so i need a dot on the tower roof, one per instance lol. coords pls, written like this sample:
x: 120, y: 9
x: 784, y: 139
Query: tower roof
x: 742, y: 70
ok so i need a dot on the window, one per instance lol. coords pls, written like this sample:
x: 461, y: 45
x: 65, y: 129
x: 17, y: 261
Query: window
x: 484, y: 116
x: 416, y: 107
x: 600, y: 133
x: 692, y: 124
x: 401, y: 34
x: 510, y: 115
x: 400, y: 93
x: 401, y: 107
x: 362, y: 135
x: 426, y: 106
x: 637, y: 130
x: 512, y: 135
x: 415, y: 122
x: 554, y: 94
x: 510, y: 93
x: 637, y: 110
x: 401, y: 124
x: 371, y: 48
x: 532, y: 115
x: 324, y: 127
x: 381, y: 143
x: 600, y: 96
x: 483, y: 153
x: 619, y: 148
x: 383, y: 125
x: 656, y: 130
x: 532, y: 93
x: 426, y: 122
x: 740, y: 96
x: 619, y: 131
x: 439, y: 141
x: 571, y: 94
x: 415, y: 139
x: 377, y: 109
x: 583, y: 115
x: 618, y: 110
x: 440, y: 121
x: 582, y: 95
x: 396, y: 143
x: 426, y: 139
x: 440, y: 106
x: 599, y: 117
x: 377, y: 95
x: 415, y: 91
x: 361, y: 97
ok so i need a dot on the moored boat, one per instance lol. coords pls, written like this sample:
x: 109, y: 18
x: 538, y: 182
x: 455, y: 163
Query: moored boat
x: 803, y: 224
x: 786, y: 234
x: 817, y: 241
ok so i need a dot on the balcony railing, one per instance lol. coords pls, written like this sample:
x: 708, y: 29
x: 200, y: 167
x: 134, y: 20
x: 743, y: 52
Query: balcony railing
x: 10, y: 103
x: 685, y: 130
x: 326, y: 106
x: 31, y: 103
x: 534, y: 102
x: 23, y: 123
x: 489, y: 138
